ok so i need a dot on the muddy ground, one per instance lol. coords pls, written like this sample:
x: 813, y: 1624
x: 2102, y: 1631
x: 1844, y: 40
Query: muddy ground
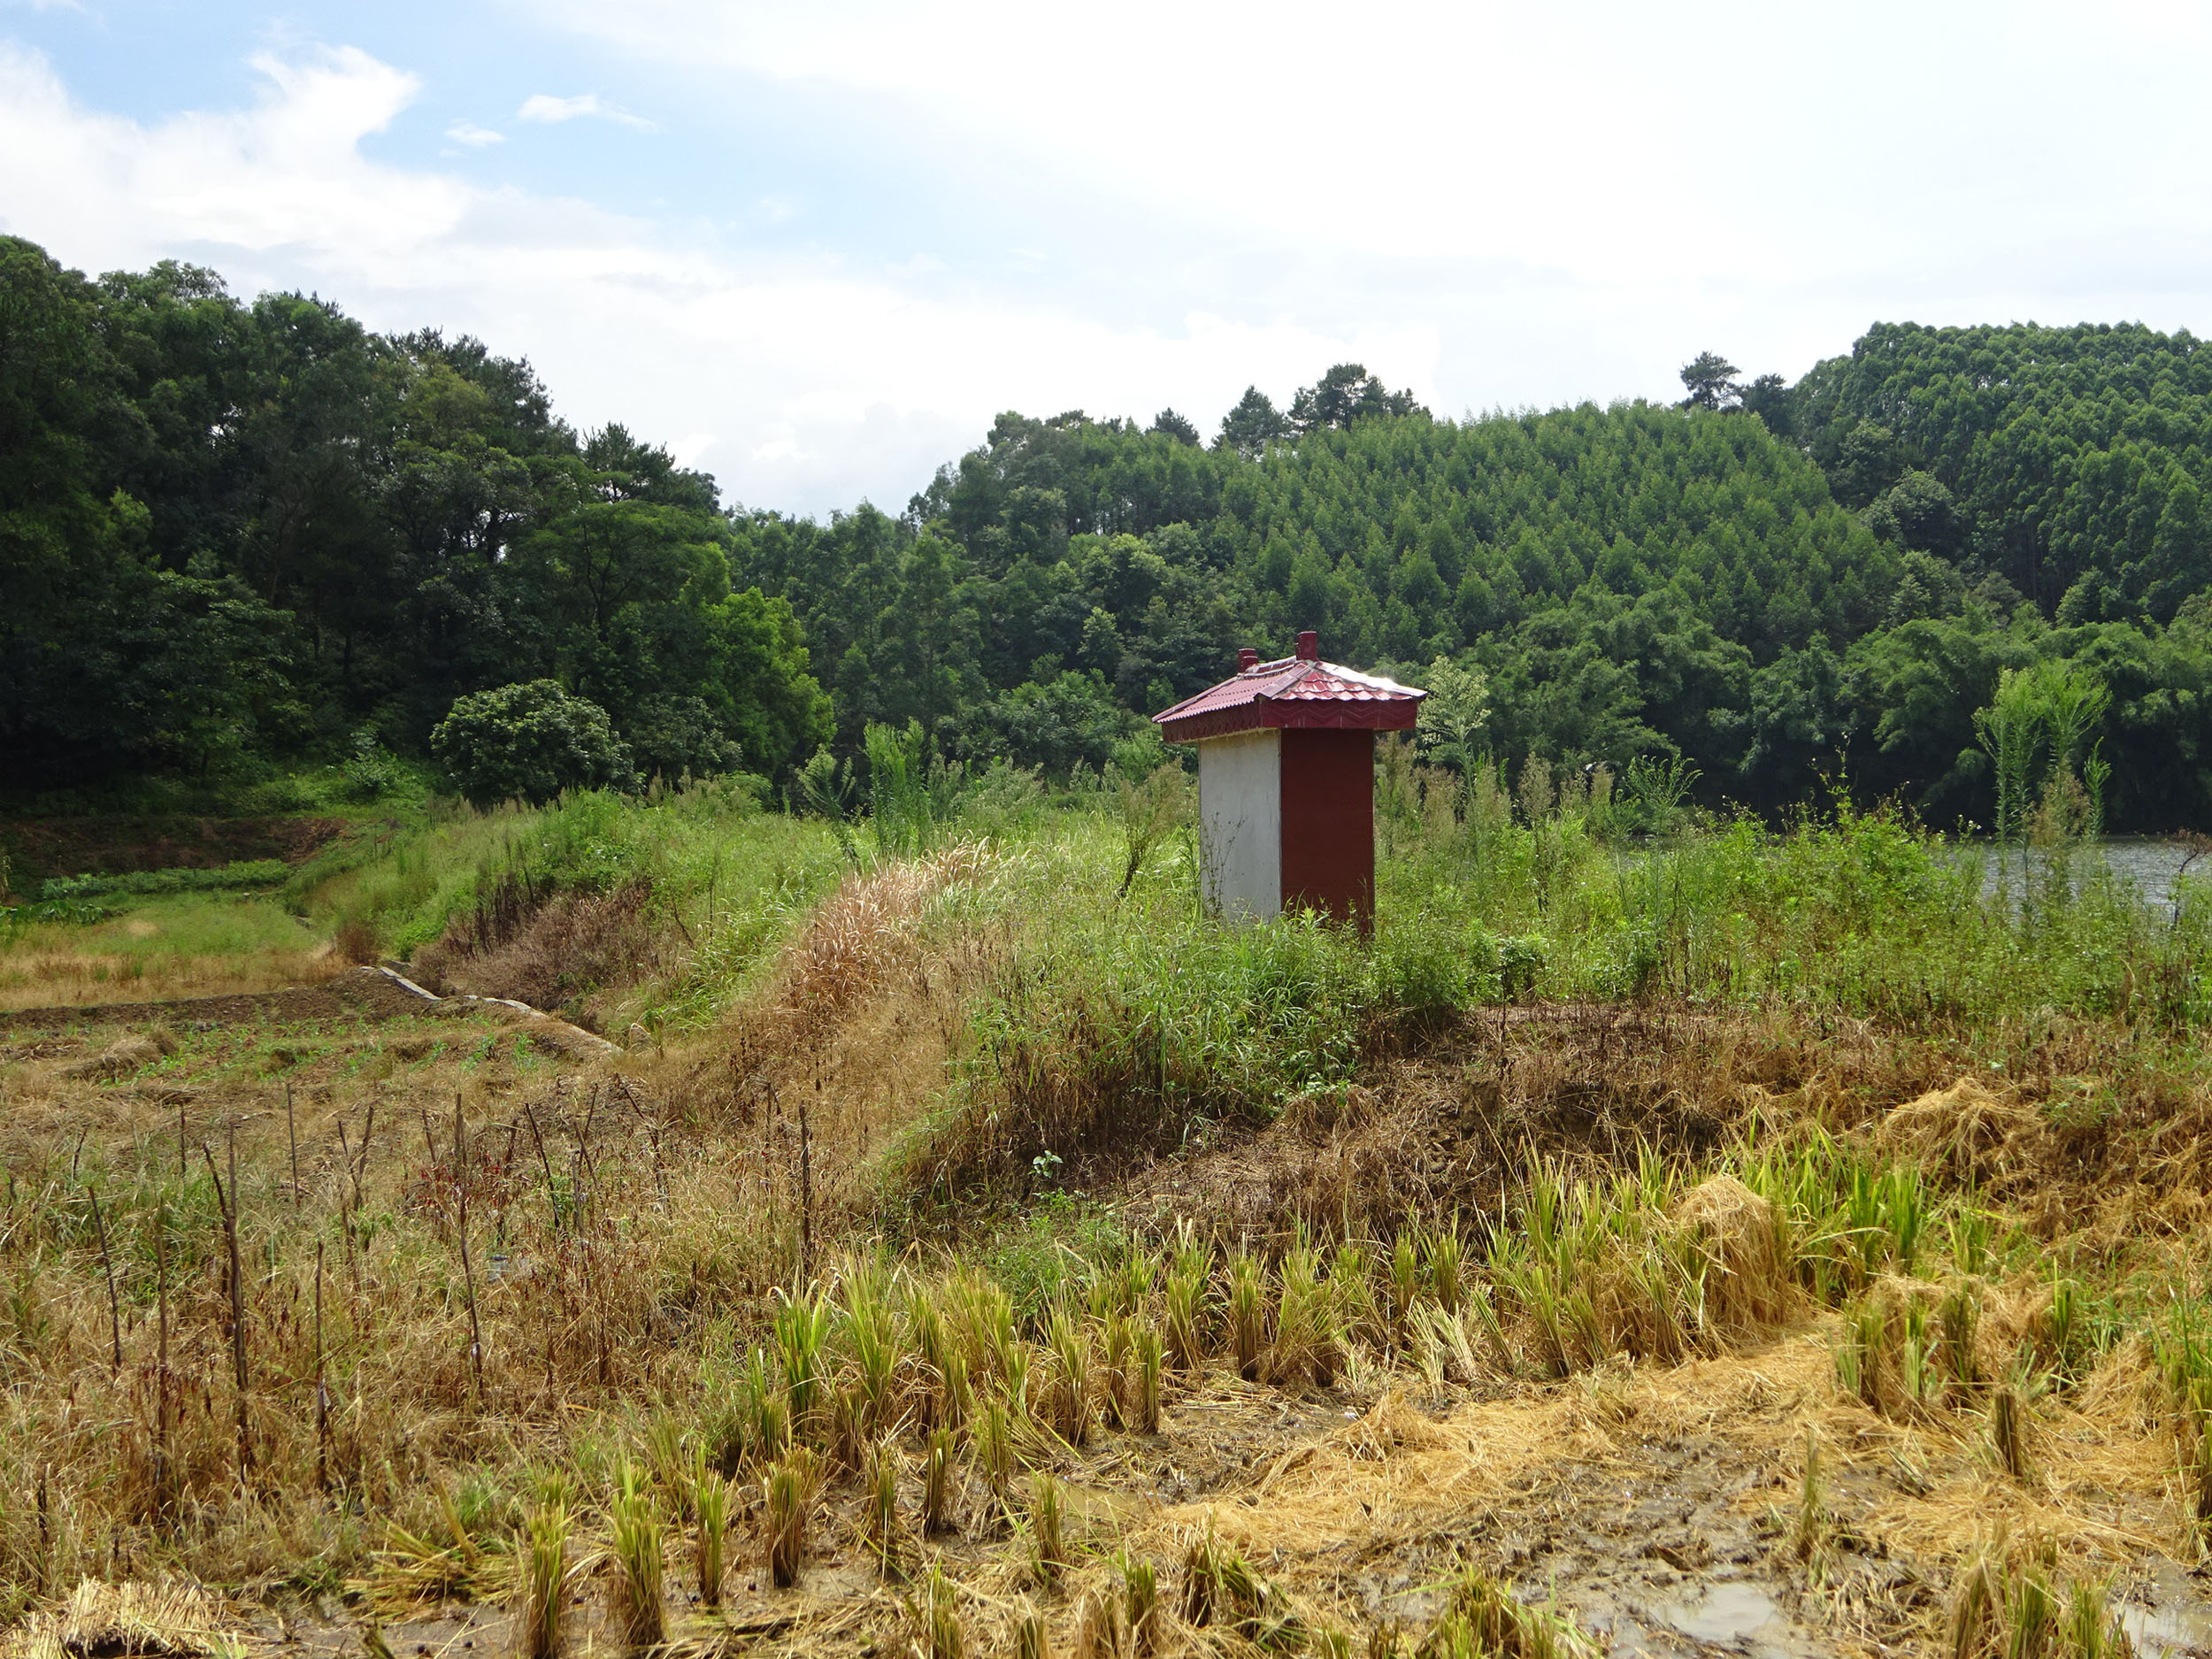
x: 1658, y: 1510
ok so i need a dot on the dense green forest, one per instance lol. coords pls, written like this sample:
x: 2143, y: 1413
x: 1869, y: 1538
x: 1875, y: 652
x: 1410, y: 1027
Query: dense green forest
x: 237, y: 538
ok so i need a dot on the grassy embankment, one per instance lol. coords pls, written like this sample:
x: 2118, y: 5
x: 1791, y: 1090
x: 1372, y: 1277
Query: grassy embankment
x: 388, y: 886
x: 975, y: 1244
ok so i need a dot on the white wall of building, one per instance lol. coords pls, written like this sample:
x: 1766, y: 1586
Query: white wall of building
x: 1240, y: 815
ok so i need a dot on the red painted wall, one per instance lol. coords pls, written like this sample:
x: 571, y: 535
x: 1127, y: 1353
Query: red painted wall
x: 1329, y: 824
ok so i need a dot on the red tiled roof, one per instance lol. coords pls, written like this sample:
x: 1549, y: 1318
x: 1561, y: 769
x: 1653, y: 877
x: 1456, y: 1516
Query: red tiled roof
x: 1295, y: 691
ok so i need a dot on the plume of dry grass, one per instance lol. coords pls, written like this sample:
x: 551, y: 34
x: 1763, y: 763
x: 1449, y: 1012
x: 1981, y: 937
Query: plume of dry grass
x: 156, y: 1618
x: 866, y: 932
x: 844, y: 1044
x: 1966, y: 1130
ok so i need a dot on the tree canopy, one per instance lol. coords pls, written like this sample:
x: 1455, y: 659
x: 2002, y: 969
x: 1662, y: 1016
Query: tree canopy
x: 237, y: 535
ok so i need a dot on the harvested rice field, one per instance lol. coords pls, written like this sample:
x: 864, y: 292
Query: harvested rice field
x: 932, y: 1292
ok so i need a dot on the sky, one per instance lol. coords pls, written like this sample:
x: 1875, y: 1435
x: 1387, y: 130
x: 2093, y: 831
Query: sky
x: 813, y: 248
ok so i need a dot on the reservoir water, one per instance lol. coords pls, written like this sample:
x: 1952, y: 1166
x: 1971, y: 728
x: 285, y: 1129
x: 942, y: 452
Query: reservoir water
x: 2153, y: 864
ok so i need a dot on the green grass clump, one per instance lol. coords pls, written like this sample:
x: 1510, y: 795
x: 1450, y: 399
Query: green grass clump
x: 939, y: 1631
x: 1149, y: 1356
x: 790, y: 1489
x: 802, y: 1336
x: 1308, y: 1338
x: 544, y: 1584
x: 635, y: 1542
x: 1186, y: 1309
x: 1046, y: 1514
x: 937, y: 1468
x: 711, y: 1506
x: 1247, y: 1313
x: 1482, y: 1618
x: 2007, y: 1610
x: 1073, y: 1401
x: 880, y: 1513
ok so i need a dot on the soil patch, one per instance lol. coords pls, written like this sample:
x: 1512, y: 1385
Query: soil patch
x: 108, y: 846
x: 364, y: 994
x: 544, y: 949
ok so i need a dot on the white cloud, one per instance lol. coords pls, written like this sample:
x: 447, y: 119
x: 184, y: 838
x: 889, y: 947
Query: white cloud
x: 285, y: 176
x: 801, y: 382
x: 469, y: 133
x: 1608, y: 143
x: 545, y: 107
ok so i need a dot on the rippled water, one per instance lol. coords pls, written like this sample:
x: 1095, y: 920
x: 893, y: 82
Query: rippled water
x: 2153, y: 864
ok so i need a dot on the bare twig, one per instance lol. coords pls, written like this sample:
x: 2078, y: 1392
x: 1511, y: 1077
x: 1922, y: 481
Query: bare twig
x: 468, y: 1277
x: 228, y: 1203
x: 45, y: 1535
x: 322, y: 1395
x: 361, y: 1173
x: 107, y: 1266
x: 552, y: 1190
x: 161, y: 1363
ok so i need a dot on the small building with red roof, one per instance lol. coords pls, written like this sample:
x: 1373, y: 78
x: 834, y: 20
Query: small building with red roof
x: 1287, y: 783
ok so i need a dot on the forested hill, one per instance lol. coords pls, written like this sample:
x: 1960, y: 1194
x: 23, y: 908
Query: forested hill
x: 2073, y: 461
x: 1623, y: 575
x: 242, y: 537
x: 238, y: 537
x: 1769, y: 580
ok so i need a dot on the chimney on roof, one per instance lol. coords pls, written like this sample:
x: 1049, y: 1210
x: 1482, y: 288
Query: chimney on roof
x: 1308, y: 647
x: 1248, y: 658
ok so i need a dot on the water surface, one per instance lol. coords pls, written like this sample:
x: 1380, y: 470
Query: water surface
x: 2152, y: 864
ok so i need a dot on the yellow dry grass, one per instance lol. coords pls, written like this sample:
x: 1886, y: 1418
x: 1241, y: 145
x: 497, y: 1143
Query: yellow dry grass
x: 865, y: 932
x: 165, y: 1618
x: 1400, y: 1478
x: 1965, y: 1129
x: 82, y: 979
x: 1748, y: 1282
x: 1399, y: 1474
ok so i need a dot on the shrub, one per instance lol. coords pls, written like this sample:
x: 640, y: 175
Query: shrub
x: 679, y: 737
x: 528, y: 742
x: 372, y: 773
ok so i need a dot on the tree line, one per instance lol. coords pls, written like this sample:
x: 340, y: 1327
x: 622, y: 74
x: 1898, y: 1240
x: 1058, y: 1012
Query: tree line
x: 237, y: 536
x: 247, y: 534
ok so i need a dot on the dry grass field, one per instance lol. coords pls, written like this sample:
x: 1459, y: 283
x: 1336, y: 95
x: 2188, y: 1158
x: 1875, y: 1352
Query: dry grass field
x: 893, y: 1306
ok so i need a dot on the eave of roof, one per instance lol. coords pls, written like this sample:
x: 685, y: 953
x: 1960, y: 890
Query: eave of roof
x: 1292, y: 692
